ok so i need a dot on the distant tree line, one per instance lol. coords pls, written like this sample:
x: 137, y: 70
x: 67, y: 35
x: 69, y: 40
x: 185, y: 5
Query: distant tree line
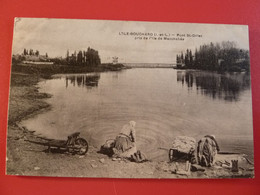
x: 90, y: 57
x: 223, y: 56
x: 32, y: 53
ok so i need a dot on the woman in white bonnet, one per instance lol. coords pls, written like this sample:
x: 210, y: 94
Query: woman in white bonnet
x: 125, y: 140
x: 207, y: 150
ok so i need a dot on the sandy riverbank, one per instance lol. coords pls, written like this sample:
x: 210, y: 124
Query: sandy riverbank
x: 26, y: 158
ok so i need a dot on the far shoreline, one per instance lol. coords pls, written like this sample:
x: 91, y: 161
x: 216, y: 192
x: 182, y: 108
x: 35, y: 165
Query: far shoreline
x: 47, y: 70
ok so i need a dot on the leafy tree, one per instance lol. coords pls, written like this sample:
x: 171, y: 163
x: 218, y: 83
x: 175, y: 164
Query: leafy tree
x: 25, y: 52
x: 31, y: 52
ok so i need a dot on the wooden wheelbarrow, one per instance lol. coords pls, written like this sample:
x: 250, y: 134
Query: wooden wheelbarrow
x: 74, y: 144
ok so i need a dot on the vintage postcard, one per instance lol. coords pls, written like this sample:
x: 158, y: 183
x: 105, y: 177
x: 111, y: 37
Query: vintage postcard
x: 125, y: 99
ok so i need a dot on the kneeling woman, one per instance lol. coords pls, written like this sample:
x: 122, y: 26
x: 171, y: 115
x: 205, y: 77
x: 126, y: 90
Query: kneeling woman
x: 125, y: 142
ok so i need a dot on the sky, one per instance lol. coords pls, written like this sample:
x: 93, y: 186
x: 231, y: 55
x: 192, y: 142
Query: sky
x: 56, y: 36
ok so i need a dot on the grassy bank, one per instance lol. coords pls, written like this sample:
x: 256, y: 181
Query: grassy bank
x: 25, y: 98
x: 46, y: 70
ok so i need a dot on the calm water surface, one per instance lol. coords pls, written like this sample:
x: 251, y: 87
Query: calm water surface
x: 164, y: 102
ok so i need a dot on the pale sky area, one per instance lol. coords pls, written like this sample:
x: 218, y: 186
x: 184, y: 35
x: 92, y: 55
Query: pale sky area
x: 56, y: 36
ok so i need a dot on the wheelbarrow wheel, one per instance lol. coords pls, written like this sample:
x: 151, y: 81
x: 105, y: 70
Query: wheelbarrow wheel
x: 82, y: 144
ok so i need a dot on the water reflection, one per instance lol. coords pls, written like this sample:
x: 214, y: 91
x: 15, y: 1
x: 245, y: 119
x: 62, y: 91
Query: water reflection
x: 223, y: 86
x: 143, y: 95
x: 88, y: 81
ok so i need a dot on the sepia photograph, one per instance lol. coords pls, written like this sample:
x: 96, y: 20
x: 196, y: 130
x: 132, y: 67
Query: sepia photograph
x: 129, y: 99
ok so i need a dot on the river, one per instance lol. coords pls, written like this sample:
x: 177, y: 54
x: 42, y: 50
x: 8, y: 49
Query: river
x: 164, y: 102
